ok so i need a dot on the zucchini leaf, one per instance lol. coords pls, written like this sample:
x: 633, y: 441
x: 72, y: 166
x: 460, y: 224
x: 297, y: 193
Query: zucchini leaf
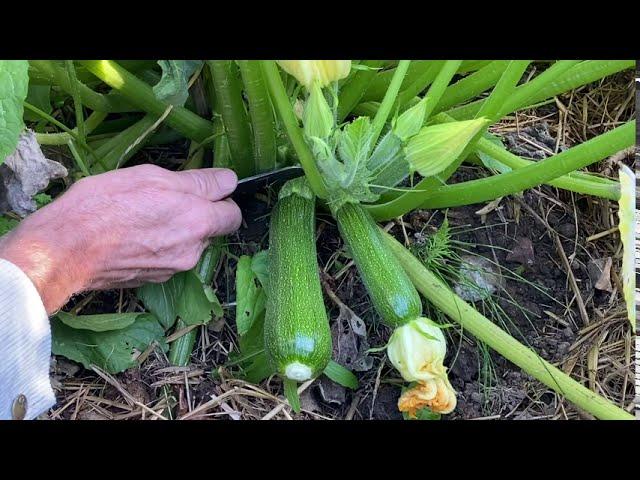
x: 487, y: 160
x: 98, y: 323
x: 341, y: 375
x: 7, y: 224
x: 197, y: 303
x: 14, y: 83
x: 161, y: 299
x: 250, y: 296
x: 173, y: 87
x: 113, y: 350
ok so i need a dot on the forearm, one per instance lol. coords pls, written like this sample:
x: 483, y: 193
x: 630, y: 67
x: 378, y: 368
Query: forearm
x: 45, y: 257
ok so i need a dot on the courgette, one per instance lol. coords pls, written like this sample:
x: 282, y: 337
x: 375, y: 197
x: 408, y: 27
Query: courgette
x: 296, y: 327
x: 392, y: 293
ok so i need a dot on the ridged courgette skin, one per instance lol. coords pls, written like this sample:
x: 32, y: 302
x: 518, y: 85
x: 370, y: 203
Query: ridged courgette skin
x: 392, y: 293
x: 296, y: 328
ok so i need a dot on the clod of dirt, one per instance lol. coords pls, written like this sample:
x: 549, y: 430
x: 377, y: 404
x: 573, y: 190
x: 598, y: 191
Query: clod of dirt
x: 386, y: 403
x: 478, y: 279
x: 600, y: 273
x: 522, y: 252
x: 533, y: 142
x: 465, y: 366
x: 331, y: 392
x: 25, y: 173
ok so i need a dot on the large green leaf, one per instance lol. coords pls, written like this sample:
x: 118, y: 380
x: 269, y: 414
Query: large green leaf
x: 197, y: 302
x: 250, y: 297
x: 98, y: 323
x: 39, y: 96
x: 14, y: 82
x: 173, y: 87
x: 114, y: 350
x: 436, y: 147
x: 161, y: 299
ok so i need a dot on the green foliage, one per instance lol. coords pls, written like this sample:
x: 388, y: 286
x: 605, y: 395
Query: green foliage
x: 14, y: 83
x: 111, y: 350
x: 173, y: 86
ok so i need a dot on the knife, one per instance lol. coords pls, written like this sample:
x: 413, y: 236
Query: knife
x: 249, y: 185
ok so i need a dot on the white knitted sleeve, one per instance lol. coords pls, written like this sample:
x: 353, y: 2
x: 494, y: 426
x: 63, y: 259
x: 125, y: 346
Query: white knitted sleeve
x: 25, y: 345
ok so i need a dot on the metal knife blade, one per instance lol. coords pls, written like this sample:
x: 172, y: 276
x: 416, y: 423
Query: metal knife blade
x: 249, y: 185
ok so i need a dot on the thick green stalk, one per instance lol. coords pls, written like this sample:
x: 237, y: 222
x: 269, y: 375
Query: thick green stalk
x: 234, y: 116
x: 285, y: 112
x: 441, y: 296
x: 62, y: 138
x: 439, y: 85
x: 352, y: 91
x: 503, y: 89
x: 140, y: 94
x: 114, y: 153
x: 262, y: 121
x: 581, y: 74
x: 77, y: 104
x: 473, y: 65
x: 585, y: 184
x: 485, y: 189
x: 472, y: 85
x: 417, y: 86
x: 389, y: 100
x: 182, y: 347
x: 529, y: 90
x: 380, y: 84
x: 91, y: 99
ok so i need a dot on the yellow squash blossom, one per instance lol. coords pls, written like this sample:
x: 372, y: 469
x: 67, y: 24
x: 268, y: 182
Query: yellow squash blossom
x: 626, y: 213
x: 307, y: 72
x: 417, y: 349
x: 437, y: 395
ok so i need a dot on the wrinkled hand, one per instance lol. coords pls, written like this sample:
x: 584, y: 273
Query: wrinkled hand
x: 122, y: 229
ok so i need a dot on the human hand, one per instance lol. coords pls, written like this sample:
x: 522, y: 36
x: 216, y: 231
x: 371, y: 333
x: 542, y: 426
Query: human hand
x: 122, y: 229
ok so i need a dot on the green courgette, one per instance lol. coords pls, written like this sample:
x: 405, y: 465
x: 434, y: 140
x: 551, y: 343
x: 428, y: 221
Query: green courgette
x: 296, y: 328
x: 392, y: 293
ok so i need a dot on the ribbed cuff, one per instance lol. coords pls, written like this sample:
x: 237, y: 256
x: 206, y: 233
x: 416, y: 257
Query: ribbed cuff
x: 25, y: 345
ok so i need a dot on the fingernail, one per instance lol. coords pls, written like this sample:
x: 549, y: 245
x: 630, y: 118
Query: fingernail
x: 227, y: 179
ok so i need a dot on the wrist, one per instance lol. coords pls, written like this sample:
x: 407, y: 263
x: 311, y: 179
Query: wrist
x: 47, y: 257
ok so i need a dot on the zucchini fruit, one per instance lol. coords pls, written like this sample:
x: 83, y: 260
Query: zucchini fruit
x: 392, y: 293
x: 297, y: 337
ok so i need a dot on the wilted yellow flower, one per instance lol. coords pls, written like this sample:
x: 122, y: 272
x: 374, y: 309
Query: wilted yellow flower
x: 626, y: 213
x: 438, y: 395
x: 417, y: 350
x: 322, y: 71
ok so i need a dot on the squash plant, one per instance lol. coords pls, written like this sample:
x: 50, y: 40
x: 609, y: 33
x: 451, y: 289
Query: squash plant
x: 377, y: 139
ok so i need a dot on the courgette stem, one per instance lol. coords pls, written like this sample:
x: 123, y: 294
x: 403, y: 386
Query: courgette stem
x: 234, y: 116
x: 93, y: 100
x: 503, y: 90
x: 485, y: 189
x: 581, y: 74
x: 62, y: 138
x: 352, y: 91
x: 388, y: 101
x: 115, y: 152
x: 140, y: 94
x: 285, y: 112
x: 261, y: 113
x: 441, y: 296
x: 439, y: 85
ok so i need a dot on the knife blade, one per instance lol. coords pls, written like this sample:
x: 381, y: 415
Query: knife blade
x: 249, y: 185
